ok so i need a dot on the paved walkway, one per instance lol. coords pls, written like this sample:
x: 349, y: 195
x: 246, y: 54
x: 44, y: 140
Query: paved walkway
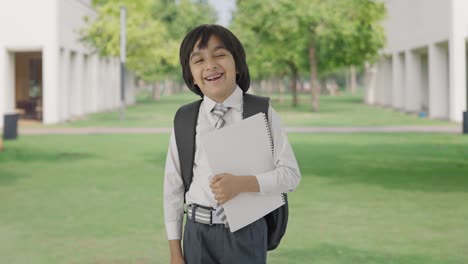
x: 143, y: 130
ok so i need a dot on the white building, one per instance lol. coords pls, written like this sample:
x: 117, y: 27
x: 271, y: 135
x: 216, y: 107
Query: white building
x: 424, y: 65
x: 45, y: 72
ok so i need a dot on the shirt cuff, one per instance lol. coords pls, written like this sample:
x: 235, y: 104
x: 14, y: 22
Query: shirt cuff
x: 266, y: 182
x: 174, y: 230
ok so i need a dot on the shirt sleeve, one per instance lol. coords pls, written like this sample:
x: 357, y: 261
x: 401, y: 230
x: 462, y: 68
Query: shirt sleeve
x: 286, y: 176
x: 173, y: 193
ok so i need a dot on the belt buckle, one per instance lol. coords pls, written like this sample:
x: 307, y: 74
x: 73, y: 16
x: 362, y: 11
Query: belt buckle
x: 194, y: 209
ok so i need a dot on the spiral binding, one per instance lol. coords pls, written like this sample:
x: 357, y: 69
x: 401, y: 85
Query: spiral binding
x: 270, y: 138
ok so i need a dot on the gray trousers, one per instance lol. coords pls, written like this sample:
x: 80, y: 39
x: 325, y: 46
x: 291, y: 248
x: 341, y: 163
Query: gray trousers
x: 205, y: 244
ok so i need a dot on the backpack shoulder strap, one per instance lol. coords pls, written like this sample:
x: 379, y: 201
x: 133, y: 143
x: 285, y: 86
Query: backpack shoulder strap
x: 254, y: 104
x: 185, y: 122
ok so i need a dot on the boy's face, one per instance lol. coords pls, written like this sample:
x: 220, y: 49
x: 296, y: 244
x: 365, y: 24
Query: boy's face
x: 213, y: 69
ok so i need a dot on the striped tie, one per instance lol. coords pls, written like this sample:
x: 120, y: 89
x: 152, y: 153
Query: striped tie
x: 219, y: 111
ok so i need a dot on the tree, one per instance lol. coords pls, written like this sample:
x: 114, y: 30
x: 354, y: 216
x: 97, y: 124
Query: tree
x: 267, y: 31
x: 147, y: 50
x: 331, y: 34
x: 341, y: 33
x: 155, y: 29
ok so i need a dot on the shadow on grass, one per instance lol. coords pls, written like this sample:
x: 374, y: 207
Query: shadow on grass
x: 17, y: 156
x: 422, y: 167
x: 327, y: 253
x: 36, y: 155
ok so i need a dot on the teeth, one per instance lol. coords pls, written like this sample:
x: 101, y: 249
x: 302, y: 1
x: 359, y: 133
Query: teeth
x: 213, y: 77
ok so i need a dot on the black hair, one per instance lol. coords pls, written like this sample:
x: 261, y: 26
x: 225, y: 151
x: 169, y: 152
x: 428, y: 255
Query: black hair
x: 231, y: 42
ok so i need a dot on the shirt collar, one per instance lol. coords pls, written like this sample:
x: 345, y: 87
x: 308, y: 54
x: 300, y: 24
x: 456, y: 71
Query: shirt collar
x: 233, y: 101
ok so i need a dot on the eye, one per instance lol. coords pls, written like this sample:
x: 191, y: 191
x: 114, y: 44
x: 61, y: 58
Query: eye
x: 219, y: 55
x: 197, y: 61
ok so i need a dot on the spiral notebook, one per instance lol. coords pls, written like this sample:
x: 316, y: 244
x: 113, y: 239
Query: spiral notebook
x: 244, y: 148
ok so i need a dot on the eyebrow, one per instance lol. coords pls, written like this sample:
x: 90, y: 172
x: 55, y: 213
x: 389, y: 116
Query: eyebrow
x: 199, y: 52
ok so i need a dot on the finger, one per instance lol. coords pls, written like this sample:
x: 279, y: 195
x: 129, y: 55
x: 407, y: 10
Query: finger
x: 215, y: 187
x: 217, y: 178
x: 219, y: 197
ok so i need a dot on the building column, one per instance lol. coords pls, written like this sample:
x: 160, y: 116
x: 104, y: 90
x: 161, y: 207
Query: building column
x: 110, y: 89
x: 64, y: 107
x: 78, y: 72
x: 94, y: 82
x: 116, y: 82
x: 86, y: 85
x: 7, y: 83
x: 72, y: 85
x: 51, y: 90
x: 388, y: 82
x: 101, y: 88
x: 438, y: 82
x: 380, y: 82
x: 457, y: 60
x: 398, y: 81
x: 3, y: 82
x: 370, y: 83
x: 413, y: 86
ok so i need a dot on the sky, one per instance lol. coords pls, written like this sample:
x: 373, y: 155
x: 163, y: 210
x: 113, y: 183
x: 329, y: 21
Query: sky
x: 224, y: 8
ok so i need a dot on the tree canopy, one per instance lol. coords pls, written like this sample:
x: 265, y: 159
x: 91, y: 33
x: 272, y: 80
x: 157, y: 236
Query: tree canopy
x: 315, y: 36
x: 155, y: 29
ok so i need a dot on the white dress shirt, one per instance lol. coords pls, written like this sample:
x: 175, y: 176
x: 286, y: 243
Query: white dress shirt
x: 284, y: 178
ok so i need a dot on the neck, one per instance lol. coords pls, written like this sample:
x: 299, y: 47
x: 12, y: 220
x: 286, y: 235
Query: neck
x: 220, y: 99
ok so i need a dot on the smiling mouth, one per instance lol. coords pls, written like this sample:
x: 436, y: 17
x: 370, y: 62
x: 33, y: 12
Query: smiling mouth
x: 214, y: 77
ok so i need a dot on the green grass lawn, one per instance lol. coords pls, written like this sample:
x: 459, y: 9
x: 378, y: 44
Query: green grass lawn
x: 343, y: 110
x: 364, y: 198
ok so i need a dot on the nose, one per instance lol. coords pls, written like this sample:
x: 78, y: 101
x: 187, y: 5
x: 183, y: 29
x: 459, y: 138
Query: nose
x: 211, y: 64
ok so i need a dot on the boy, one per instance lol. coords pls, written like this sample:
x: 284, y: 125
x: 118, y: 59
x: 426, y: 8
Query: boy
x: 214, y: 67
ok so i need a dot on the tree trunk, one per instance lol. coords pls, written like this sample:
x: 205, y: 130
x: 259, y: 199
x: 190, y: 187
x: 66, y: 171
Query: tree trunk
x: 266, y: 87
x: 293, y: 83
x: 353, y: 80
x: 156, y: 91
x: 167, y: 90
x: 269, y: 85
x: 279, y: 88
x: 314, y: 88
x: 169, y: 84
x: 348, y: 81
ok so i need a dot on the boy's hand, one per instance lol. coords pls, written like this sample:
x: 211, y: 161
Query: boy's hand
x: 226, y: 186
x: 178, y: 260
x: 176, y: 252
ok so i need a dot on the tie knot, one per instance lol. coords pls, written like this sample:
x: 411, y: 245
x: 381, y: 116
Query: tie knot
x: 220, y: 107
x: 219, y: 110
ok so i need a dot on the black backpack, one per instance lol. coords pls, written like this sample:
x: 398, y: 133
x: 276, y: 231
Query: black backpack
x: 185, y: 122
